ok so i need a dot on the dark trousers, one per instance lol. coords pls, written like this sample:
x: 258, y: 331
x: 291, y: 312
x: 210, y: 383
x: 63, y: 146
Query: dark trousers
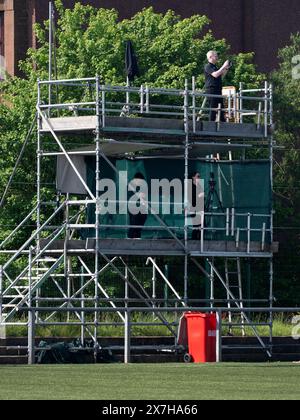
x: 214, y: 103
x: 136, y: 220
x: 196, y: 235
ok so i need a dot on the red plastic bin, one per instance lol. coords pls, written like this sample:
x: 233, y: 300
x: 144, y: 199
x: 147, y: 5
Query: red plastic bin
x: 199, y: 332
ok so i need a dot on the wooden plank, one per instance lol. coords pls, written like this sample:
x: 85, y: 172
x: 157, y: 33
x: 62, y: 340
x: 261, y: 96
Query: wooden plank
x: 85, y: 123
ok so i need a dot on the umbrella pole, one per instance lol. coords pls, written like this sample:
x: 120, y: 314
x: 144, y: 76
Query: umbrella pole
x: 126, y: 107
x: 127, y: 94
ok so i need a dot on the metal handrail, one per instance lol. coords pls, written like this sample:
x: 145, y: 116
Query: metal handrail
x: 35, y: 259
x: 18, y: 227
x: 56, y: 233
x: 63, y: 81
x: 33, y: 288
x: 67, y: 105
x: 143, y: 106
x: 33, y: 236
x: 128, y: 311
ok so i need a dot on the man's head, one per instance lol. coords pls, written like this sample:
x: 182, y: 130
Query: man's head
x: 212, y: 57
x: 195, y: 176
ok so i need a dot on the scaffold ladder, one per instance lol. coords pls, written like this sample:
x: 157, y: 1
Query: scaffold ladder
x: 233, y: 278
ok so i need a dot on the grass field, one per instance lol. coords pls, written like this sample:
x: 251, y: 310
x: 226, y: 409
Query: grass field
x: 151, y: 381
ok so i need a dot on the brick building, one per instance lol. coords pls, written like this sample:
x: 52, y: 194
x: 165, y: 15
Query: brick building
x: 261, y: 26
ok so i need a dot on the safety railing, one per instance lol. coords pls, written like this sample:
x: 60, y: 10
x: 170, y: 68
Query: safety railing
x: 129, y: 323
x: 226, y: 225
x: 245, y: 105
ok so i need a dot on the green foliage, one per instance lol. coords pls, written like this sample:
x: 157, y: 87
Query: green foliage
x: 287, y: 172
x: 16, y: 114
x: 287, y: 117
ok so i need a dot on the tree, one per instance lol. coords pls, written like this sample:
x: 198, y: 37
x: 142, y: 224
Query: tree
x: 287, y: 171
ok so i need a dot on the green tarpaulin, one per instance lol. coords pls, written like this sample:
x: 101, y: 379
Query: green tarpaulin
x: 241, y: 185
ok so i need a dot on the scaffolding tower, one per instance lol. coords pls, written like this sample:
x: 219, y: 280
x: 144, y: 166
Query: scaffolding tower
x: 167, y: 124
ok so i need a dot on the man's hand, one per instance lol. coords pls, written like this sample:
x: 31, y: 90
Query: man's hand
x: 226, y: 65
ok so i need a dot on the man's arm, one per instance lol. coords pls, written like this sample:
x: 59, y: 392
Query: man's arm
x: 222, y: 71
x: 225, y: 72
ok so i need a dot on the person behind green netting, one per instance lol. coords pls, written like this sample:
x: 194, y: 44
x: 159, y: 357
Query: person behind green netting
x: 137, y: 214
x: 196, y: 197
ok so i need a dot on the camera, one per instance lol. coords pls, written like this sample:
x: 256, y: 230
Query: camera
x: 230, y: 64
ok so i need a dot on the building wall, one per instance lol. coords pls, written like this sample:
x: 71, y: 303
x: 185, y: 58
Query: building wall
x: 21, y: 43
x: 6, y: 6
x: 261, y: 26
x: 2, y: 33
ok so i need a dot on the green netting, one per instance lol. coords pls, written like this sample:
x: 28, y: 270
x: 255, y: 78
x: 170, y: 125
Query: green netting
x: 244, y: 186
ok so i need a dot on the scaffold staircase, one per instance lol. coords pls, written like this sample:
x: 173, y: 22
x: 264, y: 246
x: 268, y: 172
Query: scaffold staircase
x: 17, y: 287
x: 18, y: 293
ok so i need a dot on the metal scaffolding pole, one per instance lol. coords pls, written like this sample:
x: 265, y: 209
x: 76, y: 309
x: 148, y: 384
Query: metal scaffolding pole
x: 153, y: 283
x: 67, y: 262
x: 186, y: 185
x: 2, y: 327
x: 82, y: 318
x: 38, y: 169
x: 51, y: 11
x: 127, y: 336
x: 31, y: 316
x: 271, y: 315
x: 212, y: 285
x: 38, y: 183
x: 271, y: 266
x: 97, y: 212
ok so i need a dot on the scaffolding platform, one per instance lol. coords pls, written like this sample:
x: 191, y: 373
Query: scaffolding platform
x: 156, y: 127
x: 160, y: 247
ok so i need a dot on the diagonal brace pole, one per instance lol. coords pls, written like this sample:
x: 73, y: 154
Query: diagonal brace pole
x: 136, y: 291
x: 18, y: 160
x: 46, y: 121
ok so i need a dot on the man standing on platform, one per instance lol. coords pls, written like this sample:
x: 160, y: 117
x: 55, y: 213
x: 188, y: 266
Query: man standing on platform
x: 213, y: 84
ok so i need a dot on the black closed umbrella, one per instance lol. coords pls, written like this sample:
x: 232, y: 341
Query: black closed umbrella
x: 132, y: 70
x: 131, y: 66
